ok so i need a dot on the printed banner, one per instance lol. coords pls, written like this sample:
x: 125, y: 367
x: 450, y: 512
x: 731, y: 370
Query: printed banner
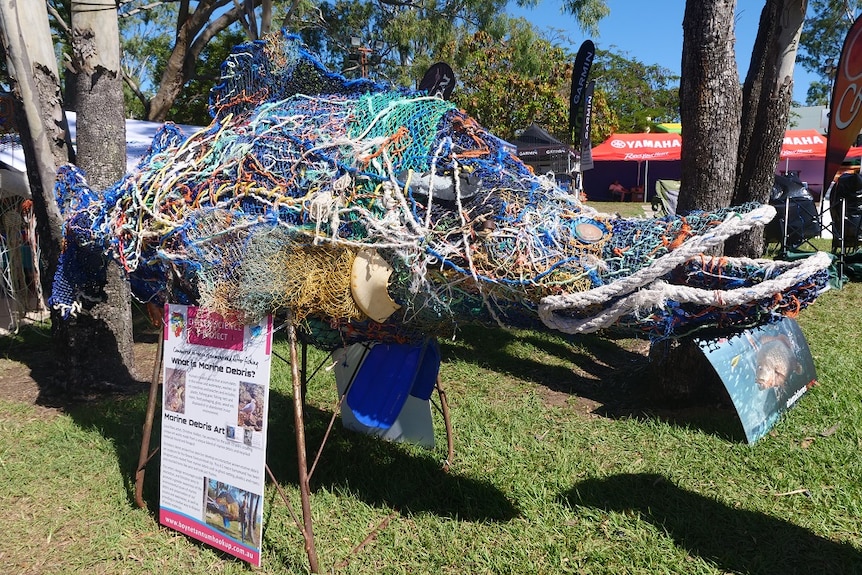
x: 586, y: 142
x: 765, y: 370
x: 215, y: 398
x: 845, y: 120
x: 438, y: 81
x: 580, y: 73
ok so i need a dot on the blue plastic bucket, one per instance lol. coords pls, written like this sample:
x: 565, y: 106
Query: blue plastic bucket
x: 387, y: 375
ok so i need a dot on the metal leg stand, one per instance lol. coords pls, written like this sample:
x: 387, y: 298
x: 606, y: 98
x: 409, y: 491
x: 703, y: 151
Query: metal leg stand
x: 302, y: 462
x: 444, y: 409
x: 145, y: 454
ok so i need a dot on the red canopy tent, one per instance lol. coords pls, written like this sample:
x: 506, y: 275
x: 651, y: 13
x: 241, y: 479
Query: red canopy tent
x: 639, y: 147
x: 854, y: 152
x: 802, y: 145
x: 797, y: 144
x: 646, y: 147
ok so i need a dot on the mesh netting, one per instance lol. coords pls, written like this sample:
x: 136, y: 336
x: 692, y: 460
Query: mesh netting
x: 264, y: 210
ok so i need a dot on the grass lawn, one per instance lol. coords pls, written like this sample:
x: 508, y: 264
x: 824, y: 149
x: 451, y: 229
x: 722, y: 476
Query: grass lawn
x: 561, y: 466
x: 625, y: 209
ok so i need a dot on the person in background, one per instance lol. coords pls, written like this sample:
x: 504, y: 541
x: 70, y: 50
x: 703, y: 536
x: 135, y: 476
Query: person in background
x: 617, y: 189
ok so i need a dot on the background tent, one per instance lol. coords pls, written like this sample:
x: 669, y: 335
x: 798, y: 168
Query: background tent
x: 803, y: 154
x: 544, y: 153
x: 139, y: 137
x: 672, y: 127
x: 645, y: 158
x: 634, y: 160
x: 20, y: 289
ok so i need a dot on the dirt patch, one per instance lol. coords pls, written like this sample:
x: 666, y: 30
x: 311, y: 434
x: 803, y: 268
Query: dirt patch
x: 22, y: 364
x: 16, y: 382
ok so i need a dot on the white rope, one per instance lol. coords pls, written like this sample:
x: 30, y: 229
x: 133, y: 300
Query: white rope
x: 732, y: 225
x: 643, y: 301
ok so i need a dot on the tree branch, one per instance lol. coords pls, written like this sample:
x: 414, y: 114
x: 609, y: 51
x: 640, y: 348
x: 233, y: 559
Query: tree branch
x: 136, y: 90
x: 67, y: 30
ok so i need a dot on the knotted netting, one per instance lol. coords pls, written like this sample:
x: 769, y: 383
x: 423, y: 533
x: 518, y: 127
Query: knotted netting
x: 265, y: 210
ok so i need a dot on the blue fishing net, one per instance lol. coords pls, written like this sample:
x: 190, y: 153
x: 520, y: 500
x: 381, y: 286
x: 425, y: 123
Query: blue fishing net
x: 265, y: 210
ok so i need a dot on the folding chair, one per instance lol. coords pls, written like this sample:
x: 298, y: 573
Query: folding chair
x: 845, y: 208
x: 666, y: 196
x: 797, y: 220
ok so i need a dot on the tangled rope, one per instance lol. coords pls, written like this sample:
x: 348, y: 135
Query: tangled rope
x: 265, y: 211
x: 648, y: 307
x: 735, y: 223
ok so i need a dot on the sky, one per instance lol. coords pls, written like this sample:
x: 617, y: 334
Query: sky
x: 651, y: 31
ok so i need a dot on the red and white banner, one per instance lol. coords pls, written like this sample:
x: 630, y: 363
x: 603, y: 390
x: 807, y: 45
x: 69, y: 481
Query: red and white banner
x: 797, y: 145
x: 638, y: 147
x: 845, y: 119
x: 803, y: 145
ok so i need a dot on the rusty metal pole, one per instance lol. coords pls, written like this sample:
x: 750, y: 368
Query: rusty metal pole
x: 302, y: 461
x: 145, y: 455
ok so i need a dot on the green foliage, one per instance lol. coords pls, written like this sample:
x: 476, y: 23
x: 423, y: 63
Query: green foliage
x: 821, y: 42
x: 509, y: 83
x: 341, y: 20
x: 191, y: 106
x: 147, y: 41
x: 639, y: 94
x: 413, y: 35
x: 508, y: 76
x: 587, y: 13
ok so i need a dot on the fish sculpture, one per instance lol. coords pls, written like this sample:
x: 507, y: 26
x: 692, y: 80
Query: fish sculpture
x: 375, y: 213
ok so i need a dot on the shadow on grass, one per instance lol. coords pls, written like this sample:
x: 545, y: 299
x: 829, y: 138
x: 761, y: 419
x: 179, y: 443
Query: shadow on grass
x: 35, y: 348
x: 593, y: 367
x: 377, y: 472
x: 736, y: 540
x: 608, y: 370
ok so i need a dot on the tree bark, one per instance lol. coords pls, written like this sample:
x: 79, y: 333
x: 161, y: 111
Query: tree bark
x: 96, y: 345
x: 41, y: 123
x: 710, y: 105
x: 681, y: 374
x: 710, y: 111
x: 766, y: 97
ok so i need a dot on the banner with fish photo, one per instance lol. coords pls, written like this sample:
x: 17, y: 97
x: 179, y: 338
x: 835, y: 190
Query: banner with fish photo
x: 765, y: 370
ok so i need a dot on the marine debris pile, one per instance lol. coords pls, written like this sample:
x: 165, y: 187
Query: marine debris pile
x: 383, y: 214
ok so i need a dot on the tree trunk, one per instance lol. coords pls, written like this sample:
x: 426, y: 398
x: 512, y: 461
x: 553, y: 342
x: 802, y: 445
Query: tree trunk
x: 710, y: 111
x: 96, y: 345
x: 41, y: 123
x: 766, y: 97
x: 680, y: 374
x: 731, y: 146
x: 710, y: 105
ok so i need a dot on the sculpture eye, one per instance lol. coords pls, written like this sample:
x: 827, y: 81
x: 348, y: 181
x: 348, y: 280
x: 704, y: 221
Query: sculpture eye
x: 588, y: 232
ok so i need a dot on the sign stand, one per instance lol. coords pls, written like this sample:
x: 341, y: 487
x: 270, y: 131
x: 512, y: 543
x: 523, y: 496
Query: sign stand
x: 299, y: 384
x: 146, y: 454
